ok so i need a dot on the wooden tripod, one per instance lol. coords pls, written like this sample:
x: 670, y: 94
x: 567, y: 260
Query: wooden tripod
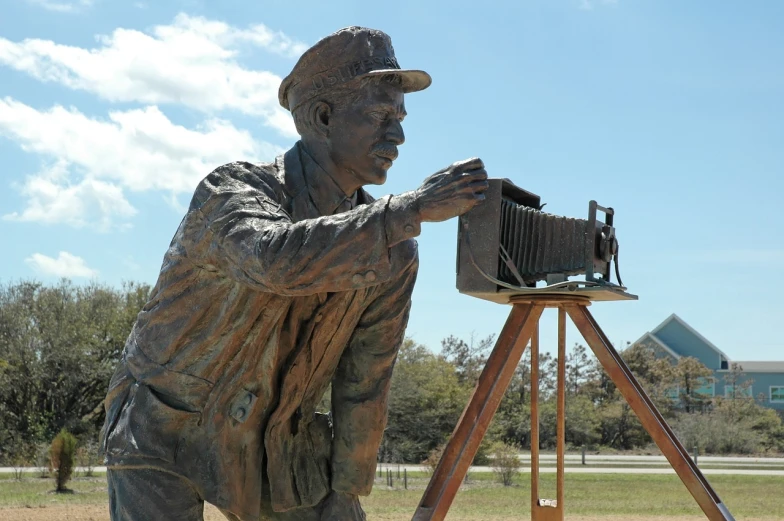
x: 522, y: 326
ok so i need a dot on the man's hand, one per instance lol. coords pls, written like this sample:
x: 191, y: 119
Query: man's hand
x: 452, y: 191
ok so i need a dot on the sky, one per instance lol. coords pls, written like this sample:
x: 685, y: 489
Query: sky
x: 670, y: 112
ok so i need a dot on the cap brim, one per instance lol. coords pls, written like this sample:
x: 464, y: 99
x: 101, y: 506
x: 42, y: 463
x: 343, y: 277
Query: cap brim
x: 413, y: 80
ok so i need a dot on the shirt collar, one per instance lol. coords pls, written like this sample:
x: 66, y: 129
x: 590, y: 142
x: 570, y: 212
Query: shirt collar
x: 325, y: 193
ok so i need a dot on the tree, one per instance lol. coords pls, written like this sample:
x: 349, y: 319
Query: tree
x: 739, y: 386
x: 691, y: 375
x: 62, y: 454
x: 619, y: 426
x: 732, y: 427
x: 582, y: 421
x: 512, y: 421
x: 506, y: 462
x: 425, y: 402
x: 468, y: 357
x: 59, y: 345
x: 579, y: 370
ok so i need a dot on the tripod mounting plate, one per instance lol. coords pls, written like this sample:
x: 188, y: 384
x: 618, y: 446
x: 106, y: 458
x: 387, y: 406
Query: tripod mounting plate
x: 591, y: 293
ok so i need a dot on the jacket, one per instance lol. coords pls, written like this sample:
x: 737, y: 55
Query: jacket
x: 265, y: 297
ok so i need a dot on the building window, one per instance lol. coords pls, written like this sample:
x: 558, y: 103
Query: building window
x: 742, y: 391
x: 708, y: 387
x: 673, y: 393
x: 777, y: 393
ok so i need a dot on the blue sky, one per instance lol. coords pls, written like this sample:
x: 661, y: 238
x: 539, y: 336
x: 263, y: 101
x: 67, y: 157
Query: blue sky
x: 671, y: 112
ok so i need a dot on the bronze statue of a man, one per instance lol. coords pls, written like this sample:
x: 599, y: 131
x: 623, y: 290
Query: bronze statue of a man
x: 282, y: 278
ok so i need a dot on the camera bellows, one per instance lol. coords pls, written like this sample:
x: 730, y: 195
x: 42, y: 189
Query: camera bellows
x: 507, y: 244
x: 540, y: 243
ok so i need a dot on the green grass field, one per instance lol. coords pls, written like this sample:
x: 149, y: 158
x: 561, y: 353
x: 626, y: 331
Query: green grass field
x: 587, y: 496
x: 597, y: 495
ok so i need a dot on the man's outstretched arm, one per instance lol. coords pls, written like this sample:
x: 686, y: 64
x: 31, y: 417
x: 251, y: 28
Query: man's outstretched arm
x: 242, y: 231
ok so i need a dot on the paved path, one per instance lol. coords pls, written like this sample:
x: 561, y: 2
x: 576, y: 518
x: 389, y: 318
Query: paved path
x: 625, y: 464
x: 590, y: 458
x: 598, y: 464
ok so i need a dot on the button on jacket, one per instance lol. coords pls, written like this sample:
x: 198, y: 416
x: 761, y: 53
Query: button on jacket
x: 274, y: 286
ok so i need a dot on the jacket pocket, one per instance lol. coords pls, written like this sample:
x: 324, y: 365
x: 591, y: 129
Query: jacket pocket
x: 116, y: 399
x: 149, y: 428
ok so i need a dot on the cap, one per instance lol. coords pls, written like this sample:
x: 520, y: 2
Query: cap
x: 343, y: 56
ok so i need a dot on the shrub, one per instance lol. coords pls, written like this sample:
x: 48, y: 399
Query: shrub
x: 62, y: 457
x: 482, y: 457
x: 43, y: 460
x: 18, y: 464
x: 88, y: 457
x: 431, y: 463
x: 506, y: 463
x: 737, y: 426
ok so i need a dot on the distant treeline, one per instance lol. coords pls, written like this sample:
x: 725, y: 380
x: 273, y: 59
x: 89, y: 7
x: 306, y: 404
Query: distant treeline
x: 59, y: 345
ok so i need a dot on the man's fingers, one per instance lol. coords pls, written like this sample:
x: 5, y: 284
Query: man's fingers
x: 468, y: 164
x: 478, y: 173
x: 474, y: 183
x: 466, y: 194
x: 473, y: 177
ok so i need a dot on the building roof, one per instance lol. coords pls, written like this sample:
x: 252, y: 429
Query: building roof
x: 760, y: 367
x: 656, y: 340
x: 691, y: 330
x: 746, y: 366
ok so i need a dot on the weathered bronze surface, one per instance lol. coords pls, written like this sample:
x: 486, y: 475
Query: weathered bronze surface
x: 282, y: 278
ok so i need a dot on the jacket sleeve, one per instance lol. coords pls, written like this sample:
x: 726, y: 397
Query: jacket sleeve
x: 361, y: 384
x: 242, y: 230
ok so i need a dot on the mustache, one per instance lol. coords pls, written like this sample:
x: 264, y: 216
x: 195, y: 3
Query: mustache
x: 386, y: 150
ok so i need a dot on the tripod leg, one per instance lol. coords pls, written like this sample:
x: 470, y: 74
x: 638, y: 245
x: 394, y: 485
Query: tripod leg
x: 476, y: 417
x: 649, y: 415
x: 548, y: 509
x: 561, y: 441
x: 534, y: 423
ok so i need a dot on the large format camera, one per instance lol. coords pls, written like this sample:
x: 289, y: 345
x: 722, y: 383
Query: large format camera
x: 507, y: 244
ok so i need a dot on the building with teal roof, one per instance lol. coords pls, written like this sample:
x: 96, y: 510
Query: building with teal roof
x: 674, y: 339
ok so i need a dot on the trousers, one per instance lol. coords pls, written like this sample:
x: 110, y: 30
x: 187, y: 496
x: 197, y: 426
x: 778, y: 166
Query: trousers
x: 155, y: 495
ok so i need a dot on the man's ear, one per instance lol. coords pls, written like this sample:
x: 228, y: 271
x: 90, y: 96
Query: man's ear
x: 320, y: 113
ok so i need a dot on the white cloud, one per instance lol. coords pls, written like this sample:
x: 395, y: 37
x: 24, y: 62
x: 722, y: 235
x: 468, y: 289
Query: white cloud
x: 52, y: 199
x: 63, y: 7
x: 97, y: 160
x: 185, y: 26
x: 191, y: 62
x: 65, y: 265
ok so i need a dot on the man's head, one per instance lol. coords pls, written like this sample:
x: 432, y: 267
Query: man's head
x: 346, y: 96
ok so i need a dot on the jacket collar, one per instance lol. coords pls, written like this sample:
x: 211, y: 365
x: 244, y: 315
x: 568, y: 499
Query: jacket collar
x: 304, y: 178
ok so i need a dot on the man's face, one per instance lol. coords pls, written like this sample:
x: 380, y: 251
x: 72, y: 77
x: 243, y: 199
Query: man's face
x: 364, y: 136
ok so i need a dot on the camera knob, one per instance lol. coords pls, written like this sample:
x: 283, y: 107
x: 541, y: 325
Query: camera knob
x: 608, y: 246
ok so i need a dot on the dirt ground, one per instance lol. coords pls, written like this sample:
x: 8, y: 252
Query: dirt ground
x: 100, y: 513
x: 78, y: 513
